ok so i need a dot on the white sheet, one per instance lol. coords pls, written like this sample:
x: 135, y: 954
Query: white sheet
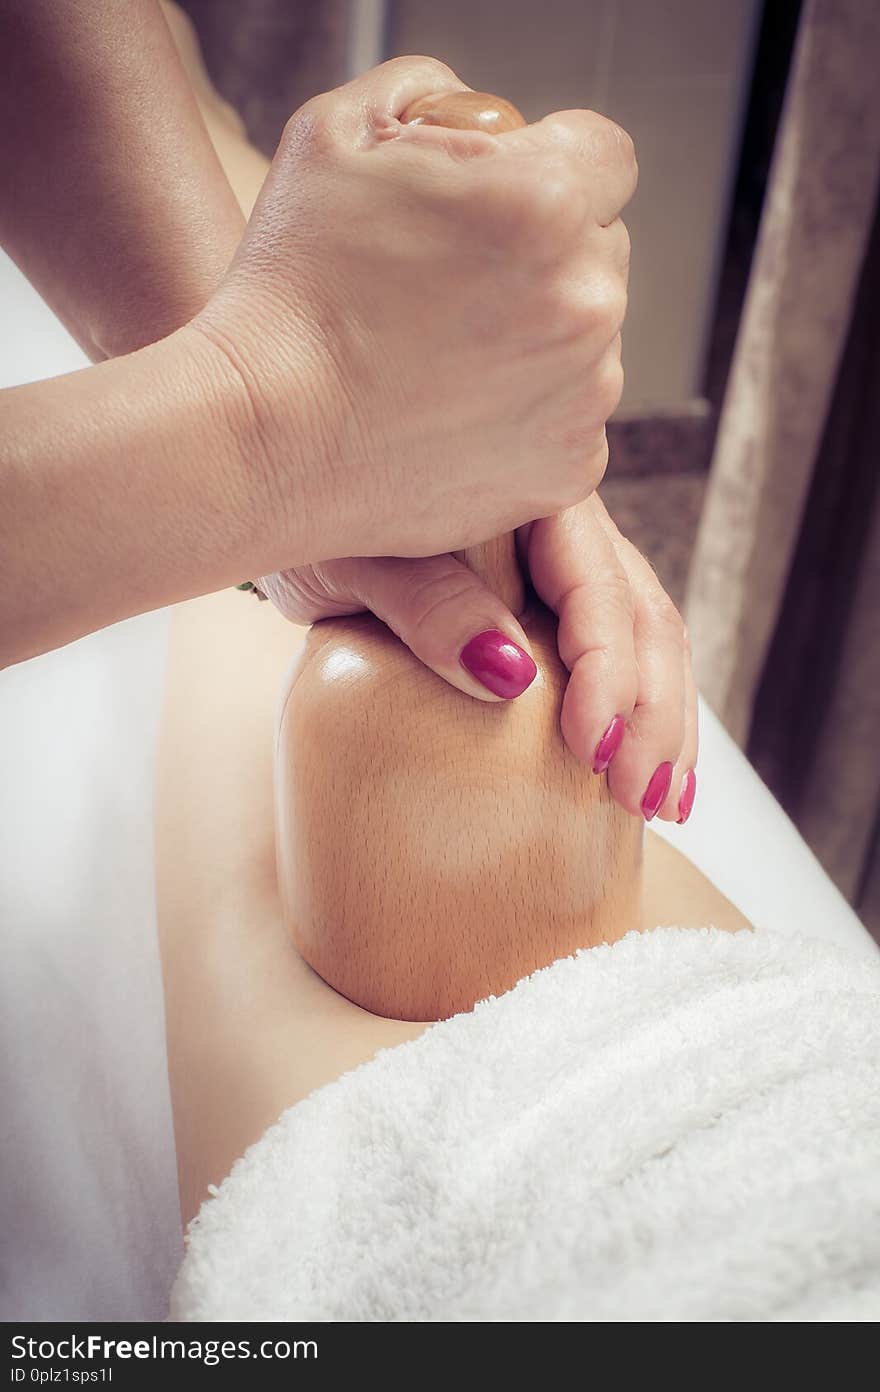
x: 88, y: 1203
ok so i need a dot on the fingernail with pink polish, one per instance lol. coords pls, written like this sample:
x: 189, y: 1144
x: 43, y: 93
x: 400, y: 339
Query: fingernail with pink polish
x: 657, y: 791
x: 609, y: 744
x: 499, y: 664
x: 688, y: 793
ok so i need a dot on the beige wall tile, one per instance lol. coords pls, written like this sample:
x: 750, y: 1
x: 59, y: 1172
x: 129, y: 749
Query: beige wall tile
x: 687, y: 145
x: 541, y: 56
x: 664, y: 39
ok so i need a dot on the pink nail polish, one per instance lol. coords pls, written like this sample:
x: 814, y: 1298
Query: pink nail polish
x: 688, y: 793
x: 657, y: 791
x: 609, y: 744
x: 499, y: 664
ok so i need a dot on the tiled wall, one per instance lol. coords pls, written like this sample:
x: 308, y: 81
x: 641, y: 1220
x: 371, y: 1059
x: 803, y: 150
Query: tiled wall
x: 675, y: 74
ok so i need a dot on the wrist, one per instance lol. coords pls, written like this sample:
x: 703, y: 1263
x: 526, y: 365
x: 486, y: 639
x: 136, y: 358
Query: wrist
x: 122, y: 490
x: 278, y: 447
x: 218, y: 452
x: 186, y: 476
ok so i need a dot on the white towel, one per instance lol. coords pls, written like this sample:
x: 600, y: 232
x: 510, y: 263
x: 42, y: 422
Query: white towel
x: 682, y: 1126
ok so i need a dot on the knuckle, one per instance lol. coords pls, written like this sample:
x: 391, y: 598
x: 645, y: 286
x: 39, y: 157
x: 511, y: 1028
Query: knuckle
x: 615, y: 143
x: 587, y: 314
x: 434, y: 593
x: 414, y: 64
x: 583, y: 459
x: 572, y: 487
x: 556, y: 204
x: 666, y: 617
x: 544, y: 213
x: 606, y: 307
x: 598, y: 614
x: 285, y: 593
x: 311, y: 131
x: 608, y: 386
x: 590, y: 313
x: 597, y: 464
x: 583, y: 435
x: 586, y: 465
x: 614, y: 593
x: 626, y: 148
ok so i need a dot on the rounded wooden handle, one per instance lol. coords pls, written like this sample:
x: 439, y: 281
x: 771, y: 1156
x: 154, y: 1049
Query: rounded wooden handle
x: 464, y: 111
x: 494, y: 561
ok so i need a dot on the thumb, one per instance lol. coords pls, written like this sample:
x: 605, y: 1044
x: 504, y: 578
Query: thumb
x: 451, y: 621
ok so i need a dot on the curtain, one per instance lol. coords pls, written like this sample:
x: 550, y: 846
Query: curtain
x: 782, y: 599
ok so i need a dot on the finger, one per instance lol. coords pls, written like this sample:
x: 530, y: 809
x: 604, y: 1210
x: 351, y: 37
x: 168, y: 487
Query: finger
x: 641, y: 776
x: 450, y: 620
x: 602, y: 147
x: 679, y: 804
x: 382, y: 94
x: 303, y: 595
x: 575, y: 571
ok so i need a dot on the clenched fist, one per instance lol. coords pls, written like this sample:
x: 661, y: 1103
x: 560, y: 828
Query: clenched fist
x: 425, y: 322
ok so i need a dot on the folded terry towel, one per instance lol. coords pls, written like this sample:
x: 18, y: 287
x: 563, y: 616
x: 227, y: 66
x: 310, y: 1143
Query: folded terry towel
x: 682, y: 1126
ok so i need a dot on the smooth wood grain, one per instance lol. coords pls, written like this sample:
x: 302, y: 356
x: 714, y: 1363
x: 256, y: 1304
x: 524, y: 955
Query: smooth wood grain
x: 433, y: 849
x: 465, y: 111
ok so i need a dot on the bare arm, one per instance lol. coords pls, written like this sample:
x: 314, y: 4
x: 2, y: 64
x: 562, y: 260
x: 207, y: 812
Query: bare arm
x: 124, y: 487
x: 116, y: 195
x: 115, y: 205
x: 120, y: 213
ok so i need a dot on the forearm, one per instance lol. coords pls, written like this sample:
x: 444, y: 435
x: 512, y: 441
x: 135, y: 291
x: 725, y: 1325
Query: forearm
x: 115, y: 205
x: 131, y: 485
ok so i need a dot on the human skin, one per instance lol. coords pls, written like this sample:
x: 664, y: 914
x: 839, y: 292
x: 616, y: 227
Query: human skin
x: 113, y: 165
x: 251, y: 1028
x: 115, y: 205
x: 341, y: 435
x: 621, y: 638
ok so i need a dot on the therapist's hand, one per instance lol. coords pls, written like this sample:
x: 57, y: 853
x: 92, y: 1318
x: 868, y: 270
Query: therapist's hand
x: 620, y: 636
x: 631, y: 700
x: 415, y: 348
x: 425, y: 322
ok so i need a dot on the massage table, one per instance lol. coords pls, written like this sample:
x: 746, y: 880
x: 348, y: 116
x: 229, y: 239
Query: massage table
x: 88, y: 1194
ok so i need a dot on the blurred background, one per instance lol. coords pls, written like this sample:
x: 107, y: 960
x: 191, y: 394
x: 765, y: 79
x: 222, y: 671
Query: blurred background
x: 744, y: 457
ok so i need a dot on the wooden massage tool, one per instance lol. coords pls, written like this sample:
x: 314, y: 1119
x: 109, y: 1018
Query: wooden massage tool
x: 432, y: 848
